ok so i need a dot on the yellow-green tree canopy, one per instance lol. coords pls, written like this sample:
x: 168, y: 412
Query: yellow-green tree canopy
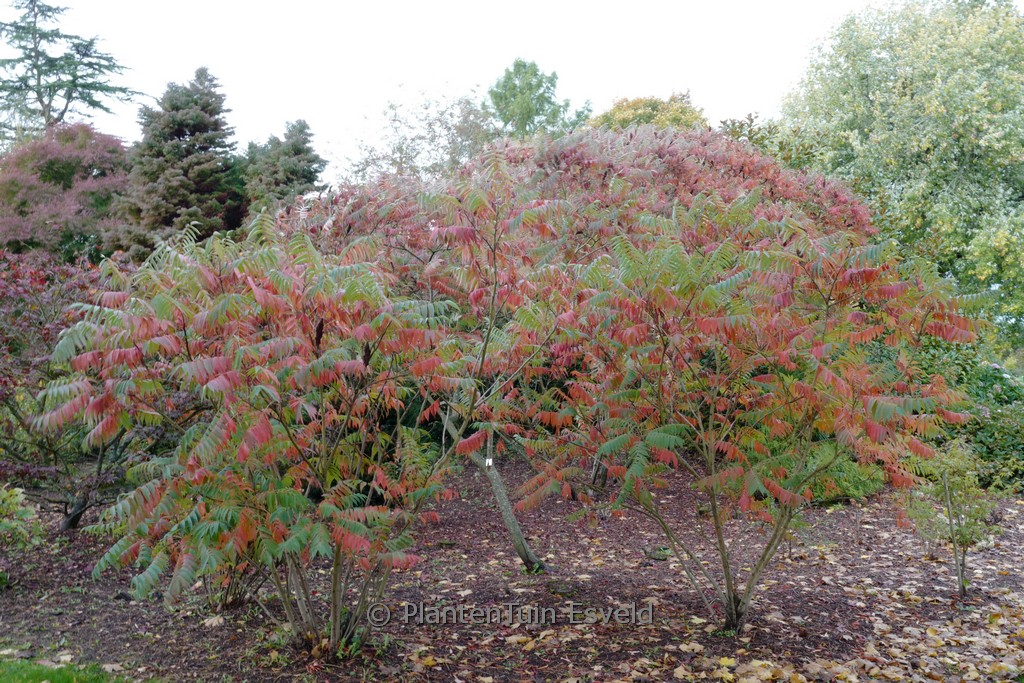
x: 920, y: 107
x: 677, y: 111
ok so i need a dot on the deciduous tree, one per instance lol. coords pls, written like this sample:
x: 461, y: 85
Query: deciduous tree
x: 523, y: 101
x: 57, y: 192
x: 792, y: 146
x: 430, y: 139
x: 919, y: 106
x: 677, y: 111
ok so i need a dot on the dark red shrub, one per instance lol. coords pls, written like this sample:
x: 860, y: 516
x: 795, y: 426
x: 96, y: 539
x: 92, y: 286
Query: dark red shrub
x: 57, y: 192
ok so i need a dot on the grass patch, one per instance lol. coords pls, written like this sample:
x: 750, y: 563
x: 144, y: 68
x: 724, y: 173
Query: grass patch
x: 30, y: 672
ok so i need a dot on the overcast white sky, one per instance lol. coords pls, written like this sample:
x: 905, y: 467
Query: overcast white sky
x: 337, y: 64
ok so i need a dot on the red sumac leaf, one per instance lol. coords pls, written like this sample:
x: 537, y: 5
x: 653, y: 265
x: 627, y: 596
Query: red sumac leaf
x: 875, y: 431
x: 351, y: 367
x: 782, y: 495
x: 471, y: 443
x: 919, y: 449
x: 950, y: 333
x: 954, y: 418
x: 113, y: 299
x: 425, y: 366
x: 716, y: 480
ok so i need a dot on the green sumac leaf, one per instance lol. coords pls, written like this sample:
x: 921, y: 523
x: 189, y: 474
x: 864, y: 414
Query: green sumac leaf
x: 144, y: 583
x: 665, y: 440
x: 113, y: 556
x: 615, y: 444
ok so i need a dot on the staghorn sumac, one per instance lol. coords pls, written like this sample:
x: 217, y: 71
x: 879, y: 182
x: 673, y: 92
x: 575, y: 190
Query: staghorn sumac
x: 611, y: 304
x: 35, y: 292
x: 310, y: 446
x: 735, y: 321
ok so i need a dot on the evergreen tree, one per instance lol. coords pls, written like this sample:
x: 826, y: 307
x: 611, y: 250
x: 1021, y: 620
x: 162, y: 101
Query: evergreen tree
x: 279, y: 170
x: 183, y: 173
x: 52, y: 73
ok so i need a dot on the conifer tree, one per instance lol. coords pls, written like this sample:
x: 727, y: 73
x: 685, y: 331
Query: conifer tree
x: 51, y: 73
x: 183, y: 173
x: 279, y: 170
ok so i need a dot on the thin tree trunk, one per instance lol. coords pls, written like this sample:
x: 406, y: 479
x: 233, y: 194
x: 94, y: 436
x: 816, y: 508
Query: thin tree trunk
x: 599, y: 475
x: 515, y: 532
x: 959, y: 559
x: 286, y: 599
x: 296, y: 583
x: 526, y: 554
x: 339, y: 588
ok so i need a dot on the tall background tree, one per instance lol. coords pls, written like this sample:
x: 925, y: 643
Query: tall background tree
x: 523, y: 101
x: 435, y: 137
x: 920, y: 107
x: 427, y: 139
x: 183, y: 172
x: 52, y: 73
x: 677, y: 111
x: 279, y: 170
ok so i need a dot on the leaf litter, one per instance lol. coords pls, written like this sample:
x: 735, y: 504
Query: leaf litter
x: 854, y: 598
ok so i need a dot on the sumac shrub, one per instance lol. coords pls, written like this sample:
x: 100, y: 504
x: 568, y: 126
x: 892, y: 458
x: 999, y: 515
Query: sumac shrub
x: 300, y: 359
x: 730, y: 321
x: 37, y: 291
x: 615, y: 304
x: 727, y: 317
x: 321, y: 374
